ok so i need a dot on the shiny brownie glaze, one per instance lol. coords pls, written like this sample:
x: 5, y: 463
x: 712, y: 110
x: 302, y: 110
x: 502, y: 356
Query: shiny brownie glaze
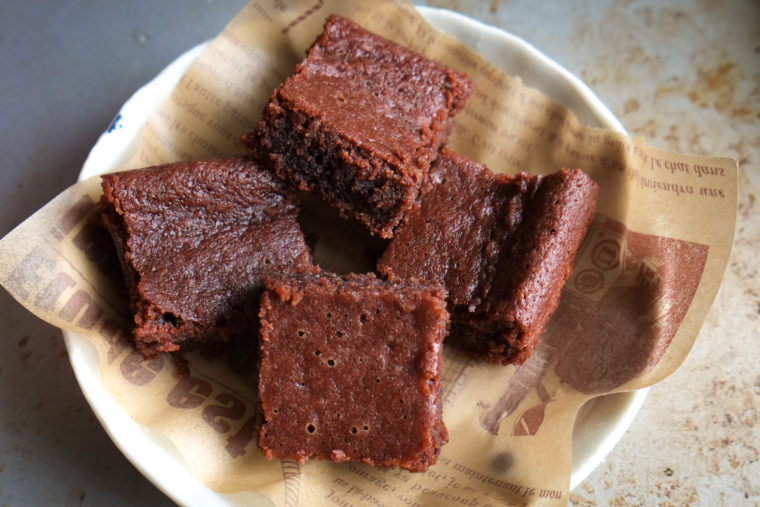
x: 350, y: 370
x: 502, y: 245
x: 194, y: 240
x: 360, y: 122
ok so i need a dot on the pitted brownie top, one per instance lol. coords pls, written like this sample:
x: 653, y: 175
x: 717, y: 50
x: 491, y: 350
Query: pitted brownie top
x: 350, y: 370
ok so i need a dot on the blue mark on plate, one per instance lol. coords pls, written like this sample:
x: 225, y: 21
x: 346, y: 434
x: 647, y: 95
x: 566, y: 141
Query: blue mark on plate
x: 115, y: 124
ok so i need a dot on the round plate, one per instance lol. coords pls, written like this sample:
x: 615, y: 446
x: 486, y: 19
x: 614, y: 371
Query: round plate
x: 601, y: 422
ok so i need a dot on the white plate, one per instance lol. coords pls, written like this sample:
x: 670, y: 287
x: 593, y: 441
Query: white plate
x: 601, y: 422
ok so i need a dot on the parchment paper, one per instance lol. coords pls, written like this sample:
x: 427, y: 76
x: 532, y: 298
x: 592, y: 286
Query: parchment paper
x: 641, y: 288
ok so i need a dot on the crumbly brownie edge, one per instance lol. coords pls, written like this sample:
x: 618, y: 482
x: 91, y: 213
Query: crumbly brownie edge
x: 507, y: 328
x: 153, y: 331
x: 296, y: 146
x: 155, y: 341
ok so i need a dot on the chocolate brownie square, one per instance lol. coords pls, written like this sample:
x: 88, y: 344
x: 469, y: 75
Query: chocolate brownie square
x: 360, y: 122
x: 502, y: 245
x: 350, y: 370
x: 194, y: 240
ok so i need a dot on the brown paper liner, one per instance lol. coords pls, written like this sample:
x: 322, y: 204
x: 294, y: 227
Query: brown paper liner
x: 641, y: 288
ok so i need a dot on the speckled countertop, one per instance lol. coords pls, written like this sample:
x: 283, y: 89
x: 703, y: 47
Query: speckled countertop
x: 686, y: 75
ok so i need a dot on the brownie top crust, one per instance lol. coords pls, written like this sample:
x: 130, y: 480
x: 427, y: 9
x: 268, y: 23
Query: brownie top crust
x: 350, y: 370
x: 457, y: 235
x: 386, y: 98
x: 195, y: 238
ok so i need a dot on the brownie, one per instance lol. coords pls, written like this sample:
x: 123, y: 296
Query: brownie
x: 502, y: 245
x: 194, y: 240
x: 350, y: 370
x: 360, y: 122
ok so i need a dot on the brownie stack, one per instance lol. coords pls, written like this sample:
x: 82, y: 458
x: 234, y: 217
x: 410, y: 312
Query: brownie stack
x: 502, y: 245
x: 350, y: 366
